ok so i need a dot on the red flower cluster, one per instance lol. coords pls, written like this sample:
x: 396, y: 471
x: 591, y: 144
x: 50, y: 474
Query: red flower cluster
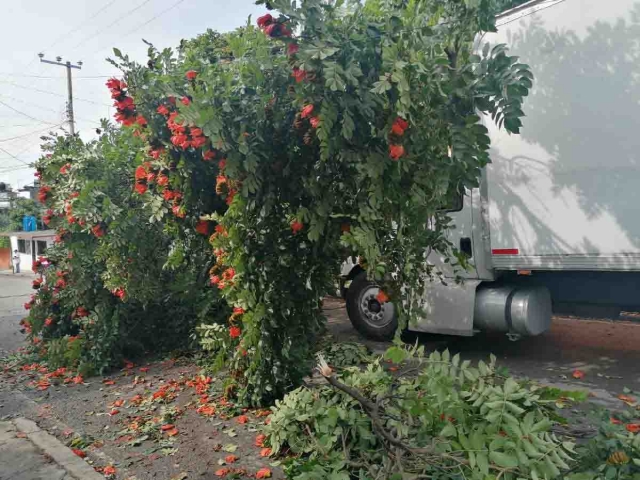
x: 46, y: 218
x: 65, y: 168
x: 202, y: 227
x: 296, y: 226
x: 36, y: 284
x: 299, y: 74
x: 43, y: 193
x: 396, y: 151
x: 81, y: 312
x: 98, y: 230
x: 306, y: 111
x: 273, y: 28
x: 48, y: 321
x: 191, y: 75
x: 126, y: 109
x: 119, y: 292
x: 398, y: 128
x: 180, y: 137
x: 235, y: 332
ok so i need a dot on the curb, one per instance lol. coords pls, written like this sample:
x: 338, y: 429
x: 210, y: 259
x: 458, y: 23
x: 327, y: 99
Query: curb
x: 74, y: 465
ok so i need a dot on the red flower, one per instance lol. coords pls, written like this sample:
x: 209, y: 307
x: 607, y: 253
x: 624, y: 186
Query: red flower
x: 242, y: 419
x: 113, y: 84
x: 215, y: 280
x: 141, y: 173
x: 168, y: 195
x: 81, y: 312
x: 296, y: 226
x: 265, y: 20
x: 292, y: 48
x: 222, y: 472
x: 299, y: 74
x: 180, y: 140
x: 263, y: 473
x: 382, y: 297
x: 98, y: 231
x: 306, y: 111
x: 208, y: 155
x: 120, y: 293
x: 231, y: 458
x: 162, y: 110
x: 178, y: 211
x: 140, y: 120
x: 615, y: 421
x: 196, y: 132
x: 151, y: 177
x: 191, y: 75
x: 141, y: 187
x: 197, y: 142
x: 172, y: 100
x: 265, y: 452
x: 578, y: 374
x: 315, y: 121
x: 185, y: 101
x: 202, y: 227
x: 229, y: 273
x: 109, y: 470
x: 222, y: 163
x: 48, y: 322
x: 235, y: 332
x: 260, y: 440
x: 396, y: 151
x: 238, y: 311
x: 399, y: 126
x: 78, y: 378
x: 162, y: 180
x: 79, y: 452
x: 65, y: 168
x: 633, y: 427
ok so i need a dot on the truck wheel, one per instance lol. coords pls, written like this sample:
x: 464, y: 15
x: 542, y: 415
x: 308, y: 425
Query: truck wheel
x: 371, y: 318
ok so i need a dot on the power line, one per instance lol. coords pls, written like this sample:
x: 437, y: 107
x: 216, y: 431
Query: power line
x: 25, y: 114
x: 79, y: 26
x: 45, y: 108
x: 174, y: 5
x: 99, y: 32
x: 2, y: 140
x: 53, y: 93
x: 13, y: 156
x: 60, y: 77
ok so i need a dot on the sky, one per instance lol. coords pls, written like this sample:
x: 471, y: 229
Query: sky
x: 33, y: 95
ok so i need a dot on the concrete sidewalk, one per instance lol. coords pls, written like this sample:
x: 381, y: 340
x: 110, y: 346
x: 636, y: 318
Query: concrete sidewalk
x: 23, y: 273
x: 29, y: 453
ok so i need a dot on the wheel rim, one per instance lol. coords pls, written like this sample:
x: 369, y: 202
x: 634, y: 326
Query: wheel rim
x: 376, y: 314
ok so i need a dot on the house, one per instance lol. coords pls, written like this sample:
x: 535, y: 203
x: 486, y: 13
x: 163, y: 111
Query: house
x: 30, y: 245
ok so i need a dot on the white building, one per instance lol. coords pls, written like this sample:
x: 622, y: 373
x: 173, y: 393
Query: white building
x: 30, y: 245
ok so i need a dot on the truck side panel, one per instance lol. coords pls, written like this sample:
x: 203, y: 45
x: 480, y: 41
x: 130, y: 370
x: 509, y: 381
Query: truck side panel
x: 564, y: 194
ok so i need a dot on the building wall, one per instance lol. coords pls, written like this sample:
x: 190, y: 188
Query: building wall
x: 26, y: 259
x: 5, y: 258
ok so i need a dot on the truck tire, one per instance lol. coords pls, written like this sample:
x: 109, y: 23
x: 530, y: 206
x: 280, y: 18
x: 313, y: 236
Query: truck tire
x: 373, y: 320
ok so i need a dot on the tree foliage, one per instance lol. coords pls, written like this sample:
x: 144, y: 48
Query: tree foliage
x: 110, y: 287
x: 331, y: 129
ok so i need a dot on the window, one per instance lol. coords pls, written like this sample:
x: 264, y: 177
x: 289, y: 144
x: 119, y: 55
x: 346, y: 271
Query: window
x: 41, y: 247
x: 24, y: 246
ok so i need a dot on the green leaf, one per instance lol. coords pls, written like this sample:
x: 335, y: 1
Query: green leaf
x: 117, y: 52
x: 395, y: 354
x: 504, y: 460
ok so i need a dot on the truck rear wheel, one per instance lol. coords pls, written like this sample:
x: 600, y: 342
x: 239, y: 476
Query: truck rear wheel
x: 374, y: 320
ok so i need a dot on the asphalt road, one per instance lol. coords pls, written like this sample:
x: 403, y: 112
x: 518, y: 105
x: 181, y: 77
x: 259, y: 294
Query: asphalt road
x: 15, y: 290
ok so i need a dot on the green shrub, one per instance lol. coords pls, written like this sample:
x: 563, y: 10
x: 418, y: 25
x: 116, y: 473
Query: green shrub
x: 438, y: 417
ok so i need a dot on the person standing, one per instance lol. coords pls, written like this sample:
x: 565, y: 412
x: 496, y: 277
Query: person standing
x: 16, y: 262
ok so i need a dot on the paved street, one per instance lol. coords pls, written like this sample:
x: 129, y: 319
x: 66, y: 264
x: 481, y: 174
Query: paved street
x: 15, y: 290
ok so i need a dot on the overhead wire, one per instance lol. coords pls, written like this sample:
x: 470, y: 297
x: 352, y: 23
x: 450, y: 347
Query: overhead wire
x: 2, y: 140
x: 60, y: 77
x: 120, y: 18
x: 135, y: 29
x: 25, y: 114
x: 54, y: 93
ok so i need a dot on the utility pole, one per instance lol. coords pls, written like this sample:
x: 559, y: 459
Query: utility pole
x: 68, y: 65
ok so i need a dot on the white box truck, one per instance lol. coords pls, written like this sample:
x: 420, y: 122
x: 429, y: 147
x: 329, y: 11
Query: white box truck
x: 555, y: 223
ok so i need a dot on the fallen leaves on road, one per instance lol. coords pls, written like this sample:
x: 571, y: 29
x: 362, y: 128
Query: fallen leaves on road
x: 263, y: 473
x: 79, y: 452
x: 260, y: 440
x: 630, y: 401
x: 231, y: 458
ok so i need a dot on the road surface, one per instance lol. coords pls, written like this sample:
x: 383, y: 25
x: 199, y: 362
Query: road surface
x: 15, y: 291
